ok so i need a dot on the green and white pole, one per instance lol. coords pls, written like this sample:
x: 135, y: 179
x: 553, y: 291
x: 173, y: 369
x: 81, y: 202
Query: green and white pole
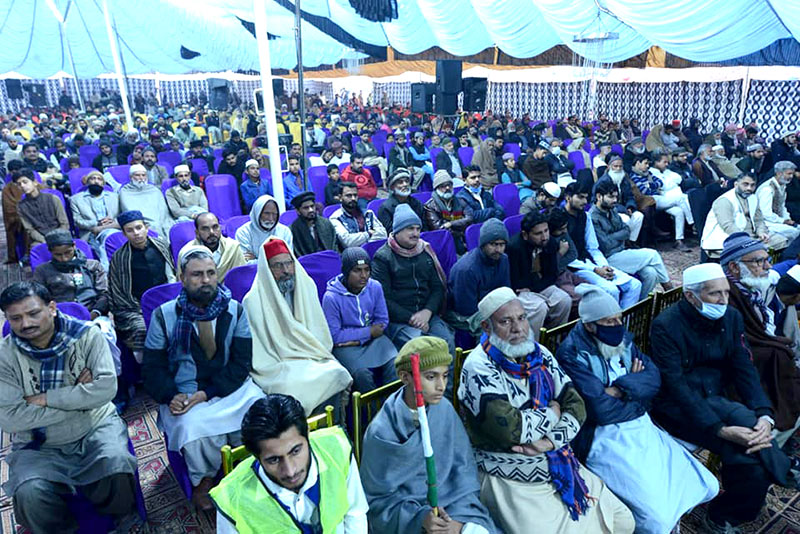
x: 425, y: 431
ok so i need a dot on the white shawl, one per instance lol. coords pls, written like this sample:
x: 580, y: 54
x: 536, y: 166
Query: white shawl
x: 251, y: 236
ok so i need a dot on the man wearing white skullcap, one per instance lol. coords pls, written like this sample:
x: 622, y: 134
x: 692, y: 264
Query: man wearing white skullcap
x: 185, y: 200
x: 139, y: 194
x: 545, y: 198
x: 521, y: 413
x: 617, y: 382
x: 699, y: 347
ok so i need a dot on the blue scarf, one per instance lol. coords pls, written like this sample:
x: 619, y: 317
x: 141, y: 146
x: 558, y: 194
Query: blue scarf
x: 180, y: 350
x: 562, y: 462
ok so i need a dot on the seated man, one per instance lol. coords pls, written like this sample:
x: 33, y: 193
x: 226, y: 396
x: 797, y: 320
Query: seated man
x: 39, y: 212
x: 291, y: 340
x: 197, y: 360
x: 400, y: 158
x: 106, y: 158
x: 447, y: 159
x: 420, y: 154
x: 734, y: 211
x: 294, y: 181
x: 413, y: 281
x: 155, y: 173
x: 355, y: 226
x: 693, y: 341
x: 70, y: 276
x: 772, y: 202
x: 535, y: 166
x: 618, y: 382
x: 399, y: 193
x: 590, y: 263
x: 146, y: 198
x: 613, y: 235
x: 141, y: 263
x: 444, y: 211
x: 753, y: 162
x: 263, y: 224
x: 626, y: 205
x: 512, y: 175
x: 479, y: 204
x: 746, y: 264
x: 369, y: 154
x: 95, y: 211
x: 356, y: 173
x: 310, y: 232
x: 521, y: 412
x: 226, y: 252
x: 185, y: 200
x: 58, y: 382
x: 397, y: 489
x: 297, y: 481
x: 253, y: 187
x: 355, y: 311
x: 545, y: 199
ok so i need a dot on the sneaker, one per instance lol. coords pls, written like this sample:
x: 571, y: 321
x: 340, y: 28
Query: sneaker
x: 712, y: 527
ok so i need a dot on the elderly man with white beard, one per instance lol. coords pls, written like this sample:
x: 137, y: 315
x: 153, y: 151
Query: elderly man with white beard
x: 746, y: 264
x: 521, y: 412
x: 618, y: 382
x: 772, y: 202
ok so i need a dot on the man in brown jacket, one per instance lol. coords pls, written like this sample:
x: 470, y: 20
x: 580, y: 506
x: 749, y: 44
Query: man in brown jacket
x: 445, y: 211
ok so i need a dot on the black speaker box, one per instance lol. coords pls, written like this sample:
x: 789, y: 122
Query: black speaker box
x: 448, y: 75
x: 475, y: 94
x: 446, y: 103
x: 218, y: 98
x: 14, y: 89
x: 37, y: 95
x: 422, y: 97
x: 277, y: 86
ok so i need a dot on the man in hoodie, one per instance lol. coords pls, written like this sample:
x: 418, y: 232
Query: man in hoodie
x: 356, y: 313
x: 263, y: 224
x: 399, y: 193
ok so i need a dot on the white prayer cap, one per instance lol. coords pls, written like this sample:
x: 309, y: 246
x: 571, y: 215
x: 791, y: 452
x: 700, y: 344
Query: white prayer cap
x: 250, y: 162
x: 787, y: 133
x: 137, y: 168
x: 494, y: 301
x: 704, y: 272
x: 794, y: 272
x: 717, y: 147
x: 181, y: 168
x: 552, y: 189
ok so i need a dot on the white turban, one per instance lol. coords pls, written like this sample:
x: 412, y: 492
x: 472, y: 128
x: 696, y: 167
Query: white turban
x: 250, y: 162
x: 495, y: 300
x: 704, y: 272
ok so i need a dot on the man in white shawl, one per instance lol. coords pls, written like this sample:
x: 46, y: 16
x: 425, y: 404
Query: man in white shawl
x: 263, y: 224
x: 521, y: 411
x: 140, y: 195
x: 618, y: 382
x: 291, y: 340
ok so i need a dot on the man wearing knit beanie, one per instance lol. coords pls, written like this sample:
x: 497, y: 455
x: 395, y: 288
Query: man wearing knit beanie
x: 399, y: 193
x: 445, y: 211
x: 617, y: 382
x: 391, y: 464
x: 355, y: 310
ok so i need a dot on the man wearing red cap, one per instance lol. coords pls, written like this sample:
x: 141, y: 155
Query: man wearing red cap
x: 291, y: 340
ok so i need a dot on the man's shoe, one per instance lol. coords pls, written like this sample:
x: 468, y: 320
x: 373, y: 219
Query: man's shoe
x: 200, y: 497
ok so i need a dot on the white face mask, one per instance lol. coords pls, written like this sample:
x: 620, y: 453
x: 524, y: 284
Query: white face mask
x: 556, y: 150
x: 445, y: 196
x: 713, y: 311
x: 638, y: 149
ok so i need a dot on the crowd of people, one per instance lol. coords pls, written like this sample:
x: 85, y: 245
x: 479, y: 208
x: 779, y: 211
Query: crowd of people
x: 595, y: 437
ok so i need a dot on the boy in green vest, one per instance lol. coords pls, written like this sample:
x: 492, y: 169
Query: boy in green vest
x: 298, y: 483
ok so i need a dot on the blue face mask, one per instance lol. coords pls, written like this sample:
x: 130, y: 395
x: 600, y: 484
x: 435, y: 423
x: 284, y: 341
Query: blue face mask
x: 610, y: 335
x: 477, y: 189
x: 713, y: 311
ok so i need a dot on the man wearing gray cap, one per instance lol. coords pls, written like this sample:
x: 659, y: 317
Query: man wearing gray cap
x: 445, y: 211
x: 618, y: 382
x: 784, y: 148
x: 399, y: 185
x: 772, y: 202
x: 753, y: 163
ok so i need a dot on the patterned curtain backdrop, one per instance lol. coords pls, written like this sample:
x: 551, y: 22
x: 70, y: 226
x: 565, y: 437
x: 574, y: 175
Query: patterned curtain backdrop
x: 396, y: 92
x: 245, y: 88
x: 541, y: 100
x: 773, y: 105
x: 312, y: 87
x: 178, y: 92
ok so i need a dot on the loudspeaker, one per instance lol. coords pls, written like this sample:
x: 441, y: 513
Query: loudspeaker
x: 37, y: 94
x: 218, y: 93
x: 448, y: 75
x: 422, y: 97
x: 14, y: 89
x: 277, y: 86
x: 475, y: 94
x: 446, y: 103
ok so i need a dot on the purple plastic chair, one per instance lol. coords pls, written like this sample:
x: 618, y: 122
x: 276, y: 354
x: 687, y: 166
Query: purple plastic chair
x: 434, y: 152
x: 328, y: 210
x: 577, y: 158
x: 617, y: 149
x: 288, y: 217
x: 375, y: 171
x: 223, y: 196
x: 180, y: 234
x: 169, y: 156
x: 472, y: 235
x: 321, y: 267
x: 156, y: 296
x: 233, y: 224
x: 41, y: 254
x: 375, y: 204
x: 200, y: 166
x: 507, y: 196
x: 442, y: 243
x: 465, y: 154
x: 166, y: 184
x: 513, y: 224
x: 343, y: 166
x: 76, y: 175
x: 387, y: 148
x: 240, y: 279
x: 372, y: 246
x: 87, y: 153
x: 318, y: 178
x: 169, y: 167
x: 218, y: 152
x: 514, y: 149
x: 73, y: 309
x: 423, y: 196
x: 117, y: 239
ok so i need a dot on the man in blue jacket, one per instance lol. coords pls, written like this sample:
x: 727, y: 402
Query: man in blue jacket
x: 479, y: 203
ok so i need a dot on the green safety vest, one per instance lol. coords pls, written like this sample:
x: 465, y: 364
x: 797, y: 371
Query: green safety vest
x: 242, y: 498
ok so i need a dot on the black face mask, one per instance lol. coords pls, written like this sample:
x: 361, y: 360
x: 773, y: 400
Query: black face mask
x: 95, y: 189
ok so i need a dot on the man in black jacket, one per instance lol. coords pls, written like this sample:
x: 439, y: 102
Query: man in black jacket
x: 310, y: 232
x: 400, y: 158
x: 699, y: 346
x: 399, y: 193
x: 448, y: 160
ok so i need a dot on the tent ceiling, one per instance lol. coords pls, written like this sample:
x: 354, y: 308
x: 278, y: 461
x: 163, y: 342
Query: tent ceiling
x: 152, y: 32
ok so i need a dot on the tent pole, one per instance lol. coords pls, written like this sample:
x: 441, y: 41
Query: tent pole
x: 74, y: 72
x: 260, y: 11
x: 301, y: 94
x: 123, y: 91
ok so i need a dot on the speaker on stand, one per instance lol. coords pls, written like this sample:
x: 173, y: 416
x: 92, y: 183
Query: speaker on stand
x: 448, y: 85
x: 475, y: 94
x: 14, y: 89
x: 218, y: 93
x: 422, y: 97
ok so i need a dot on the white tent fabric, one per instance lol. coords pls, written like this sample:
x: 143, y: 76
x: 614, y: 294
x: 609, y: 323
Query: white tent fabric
x: 152, y: 32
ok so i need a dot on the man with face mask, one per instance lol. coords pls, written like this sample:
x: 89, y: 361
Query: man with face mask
x: 772, y: 202
x: 185, y: 200
x: 399, y: 193
x: 560, y: 165
x: 693, y: 341
x: 737, y: 211
x: 263, y: 224
x: 143, y: 196
x: 310, y: 232
x: 617, y: 381
x: 445, y: 211
x: 479, y: 204
x: 94, y: 211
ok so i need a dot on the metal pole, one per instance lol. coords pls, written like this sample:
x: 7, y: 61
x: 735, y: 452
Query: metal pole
x: 301, y: 91
x: 123, y: 91
x: 124, y: 70
x: 72, y: 64
x: 260, y: 11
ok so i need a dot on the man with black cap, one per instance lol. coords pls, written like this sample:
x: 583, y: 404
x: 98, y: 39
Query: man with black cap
x: 420, y: 154
x: 310, y: 232
x: 106, y: 158
x: 196, y: 152
x: 399, y: 193
x: 236, y: 144
x: 753, y: 163
x: 355, y: 310
x: 156, y: 173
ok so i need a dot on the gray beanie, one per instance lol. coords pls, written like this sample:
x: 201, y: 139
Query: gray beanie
x: 441, y: 177
x: 404, y: 217
x: 595, y: 303
x: 736, y: 246
x: 492, y: 230
x: 351, y: 257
